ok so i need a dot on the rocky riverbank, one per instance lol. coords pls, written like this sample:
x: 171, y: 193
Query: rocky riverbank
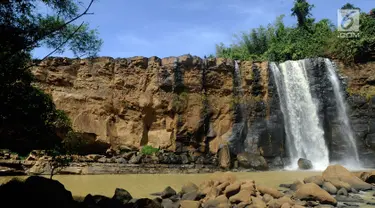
x: 335, y: 187
x: 130, y: 162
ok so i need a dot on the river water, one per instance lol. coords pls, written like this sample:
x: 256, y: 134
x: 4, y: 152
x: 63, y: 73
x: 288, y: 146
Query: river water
x: 142, y: 185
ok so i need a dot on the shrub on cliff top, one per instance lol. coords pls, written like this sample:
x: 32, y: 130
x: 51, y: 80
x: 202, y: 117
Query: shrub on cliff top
x: 308, y: 39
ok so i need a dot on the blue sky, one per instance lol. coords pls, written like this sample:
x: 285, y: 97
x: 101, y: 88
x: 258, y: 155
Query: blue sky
x: 175, y: 27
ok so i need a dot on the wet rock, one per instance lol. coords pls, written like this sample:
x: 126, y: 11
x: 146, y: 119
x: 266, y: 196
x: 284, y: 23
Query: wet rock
x: 271, y: 191
x: 247, y: 160
x: 304, y: 164
x: 329, y: 188
x: 122, y: 196
x: 168, y: 192
x: 318, y: 180
x: 342, y: 192
x: 312, y: 191
x: 189, y: 204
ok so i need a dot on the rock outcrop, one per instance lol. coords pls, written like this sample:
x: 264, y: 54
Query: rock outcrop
x: 189, y: 104
x: 176, y: 103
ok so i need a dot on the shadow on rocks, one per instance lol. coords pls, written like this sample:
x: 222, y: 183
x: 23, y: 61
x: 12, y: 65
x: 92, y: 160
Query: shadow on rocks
x: 36, y: 192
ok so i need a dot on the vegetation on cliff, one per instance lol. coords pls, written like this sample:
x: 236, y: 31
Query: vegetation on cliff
x: 28, y: 117
x: 308, y: 39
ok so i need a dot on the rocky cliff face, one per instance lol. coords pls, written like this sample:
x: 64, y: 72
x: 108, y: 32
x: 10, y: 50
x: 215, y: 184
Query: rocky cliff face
x: 189, y: 104
x: 177, y: 103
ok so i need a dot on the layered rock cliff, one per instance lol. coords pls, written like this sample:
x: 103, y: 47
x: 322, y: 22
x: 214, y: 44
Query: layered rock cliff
x: 189, y: 104
x: 175, y: 103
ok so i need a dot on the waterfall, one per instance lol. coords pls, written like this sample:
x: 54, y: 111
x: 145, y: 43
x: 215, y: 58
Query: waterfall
x: 342, y: 117
x: 239, y: 131
x: 305, y: 137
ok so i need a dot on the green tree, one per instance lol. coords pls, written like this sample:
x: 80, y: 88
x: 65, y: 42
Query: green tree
x: 28, y: 116
x: 349, y: 6
x: 302, y: 10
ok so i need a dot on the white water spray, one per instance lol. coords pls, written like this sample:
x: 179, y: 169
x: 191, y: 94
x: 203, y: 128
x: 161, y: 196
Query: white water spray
x: 342, y: 117
x: 305, y: 137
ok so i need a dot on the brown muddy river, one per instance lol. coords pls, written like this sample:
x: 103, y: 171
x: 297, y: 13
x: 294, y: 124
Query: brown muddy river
x: 142, y: 185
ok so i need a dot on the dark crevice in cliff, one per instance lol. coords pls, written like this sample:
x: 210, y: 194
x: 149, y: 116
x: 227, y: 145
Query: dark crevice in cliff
x: 202, y: 134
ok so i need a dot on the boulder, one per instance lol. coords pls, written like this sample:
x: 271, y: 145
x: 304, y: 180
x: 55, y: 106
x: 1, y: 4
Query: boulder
x: 146, y: 203
x: 232, y: 189
x: 311, y: 191
x: 249, y: 186
x: 189, y: 204
x: 318, y: 180
x: 224, y: 157
x: 189, y: 187
x: 101, y: 201
x: 338, y: 184
x: 122, y: 196
x: 242, y: 196
x: 341, y: 173
x: 222, y: 186
x: 167, y: 203
x: 296, y: 184
x: 257, y: 203
x: 247, y: 160
x: 342, y: 192
x: 267, y: 198
x: 36, y: 192
x: 329, y: 188
x: 304, y: 164
x: 168, y: 192
x: 271, y: 191
x: 190, y: 196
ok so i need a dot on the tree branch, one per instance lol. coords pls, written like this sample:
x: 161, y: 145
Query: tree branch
x: 64, y: 25
x: 59, y: 46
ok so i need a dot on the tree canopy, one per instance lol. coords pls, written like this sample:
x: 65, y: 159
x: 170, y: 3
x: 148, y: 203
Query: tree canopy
x: 308, y: 39
x: 28, y: 116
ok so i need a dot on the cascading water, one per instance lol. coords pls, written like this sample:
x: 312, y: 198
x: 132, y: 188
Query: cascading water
x: 239, y: 127
x: 342, y: 117
x: 305, y: 137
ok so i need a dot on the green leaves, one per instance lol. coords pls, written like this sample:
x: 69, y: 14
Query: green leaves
x: 309, y: 39
x: 28, y: 117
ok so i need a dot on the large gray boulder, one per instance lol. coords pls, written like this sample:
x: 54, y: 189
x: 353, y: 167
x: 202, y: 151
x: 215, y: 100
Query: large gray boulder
x: 247, y: 160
